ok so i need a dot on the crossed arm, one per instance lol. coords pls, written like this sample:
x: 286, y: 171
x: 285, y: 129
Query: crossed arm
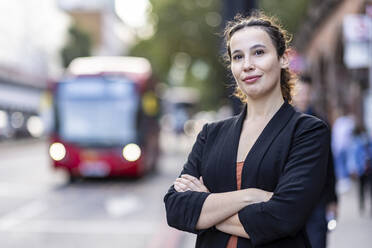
x: 221, y: 209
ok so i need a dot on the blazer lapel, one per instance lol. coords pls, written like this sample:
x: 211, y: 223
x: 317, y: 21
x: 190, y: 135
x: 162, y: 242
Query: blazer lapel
x: 255, y: 155
x: 226, y: 163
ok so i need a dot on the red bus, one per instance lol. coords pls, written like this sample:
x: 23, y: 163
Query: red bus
x: 105, y: 118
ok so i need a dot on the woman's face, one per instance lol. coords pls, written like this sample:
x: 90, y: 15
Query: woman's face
x: 255, y: 63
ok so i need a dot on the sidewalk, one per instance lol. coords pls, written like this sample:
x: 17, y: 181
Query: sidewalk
x: 353, y: 229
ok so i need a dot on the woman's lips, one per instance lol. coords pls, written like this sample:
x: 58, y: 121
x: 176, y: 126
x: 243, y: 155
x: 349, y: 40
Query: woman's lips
x: 251, y: 79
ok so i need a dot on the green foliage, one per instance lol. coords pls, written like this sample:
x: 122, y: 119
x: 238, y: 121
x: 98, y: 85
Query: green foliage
x: 290, y: 12
x: 182, y: 27
x: 78, y: 45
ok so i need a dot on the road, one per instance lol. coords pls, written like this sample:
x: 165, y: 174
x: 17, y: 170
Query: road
x: 39, y: 209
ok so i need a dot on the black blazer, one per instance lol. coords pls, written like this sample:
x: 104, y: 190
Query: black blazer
x: 329, y: 194
x: 289, y: 158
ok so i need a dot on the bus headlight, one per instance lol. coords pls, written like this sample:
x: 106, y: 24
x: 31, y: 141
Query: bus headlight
x: 131, y: 152
x: 57, y: 151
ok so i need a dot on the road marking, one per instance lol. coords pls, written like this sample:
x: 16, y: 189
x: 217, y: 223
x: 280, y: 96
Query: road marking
x: 86, y: 227
x: 21, y: 214
x: 120, y: 206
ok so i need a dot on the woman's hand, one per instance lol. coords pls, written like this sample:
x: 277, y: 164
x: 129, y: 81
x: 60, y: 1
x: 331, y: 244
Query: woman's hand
x: 187, y: 182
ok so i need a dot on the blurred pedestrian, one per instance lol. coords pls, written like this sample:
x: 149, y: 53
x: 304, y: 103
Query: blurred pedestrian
x: 317, y: 225
x: 252, y: 180
x: 360, y: 162
x: 341, y: 138
x: 180, y: 118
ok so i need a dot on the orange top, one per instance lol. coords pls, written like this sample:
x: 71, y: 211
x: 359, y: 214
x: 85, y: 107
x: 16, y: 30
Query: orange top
x: 233, y: 241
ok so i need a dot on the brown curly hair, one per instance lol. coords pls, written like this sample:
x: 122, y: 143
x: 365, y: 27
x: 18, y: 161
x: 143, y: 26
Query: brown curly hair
x: 280, y: 39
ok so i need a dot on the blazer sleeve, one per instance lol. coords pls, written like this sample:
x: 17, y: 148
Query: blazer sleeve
x: 330, y: 185
x: 298, y: 190
x: 183, y: 208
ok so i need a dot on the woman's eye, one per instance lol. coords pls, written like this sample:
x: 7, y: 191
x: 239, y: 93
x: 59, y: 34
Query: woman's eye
x: 236, y: 57
x: 259, y: 52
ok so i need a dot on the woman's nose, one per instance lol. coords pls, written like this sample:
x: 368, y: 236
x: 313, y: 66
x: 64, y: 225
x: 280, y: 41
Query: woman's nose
x: 248, y: 65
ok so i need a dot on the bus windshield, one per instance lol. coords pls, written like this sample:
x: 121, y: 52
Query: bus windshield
x: 98, y: 111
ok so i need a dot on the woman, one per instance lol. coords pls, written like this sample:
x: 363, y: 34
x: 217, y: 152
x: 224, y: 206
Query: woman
x: 253, y: 179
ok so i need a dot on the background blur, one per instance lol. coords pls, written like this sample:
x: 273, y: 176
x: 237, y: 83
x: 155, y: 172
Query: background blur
x: 40, y: 207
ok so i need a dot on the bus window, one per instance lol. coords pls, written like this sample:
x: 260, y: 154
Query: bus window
x: 95, y: 112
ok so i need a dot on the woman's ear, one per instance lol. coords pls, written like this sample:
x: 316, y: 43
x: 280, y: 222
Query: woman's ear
x: 284, y: 60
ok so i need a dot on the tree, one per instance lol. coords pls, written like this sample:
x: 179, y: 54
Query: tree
x: 79, y: 45
x: 185, y: 49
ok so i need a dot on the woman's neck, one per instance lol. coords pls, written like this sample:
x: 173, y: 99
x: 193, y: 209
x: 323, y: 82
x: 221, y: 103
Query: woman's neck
x: 263, y: 108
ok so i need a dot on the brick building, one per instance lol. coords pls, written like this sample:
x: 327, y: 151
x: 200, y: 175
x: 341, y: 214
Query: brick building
x: 320, y: 41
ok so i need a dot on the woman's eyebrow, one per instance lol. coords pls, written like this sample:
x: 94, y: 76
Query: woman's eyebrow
x: 257, y: 46
x: 251, y: 48
x: 236, y: 51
